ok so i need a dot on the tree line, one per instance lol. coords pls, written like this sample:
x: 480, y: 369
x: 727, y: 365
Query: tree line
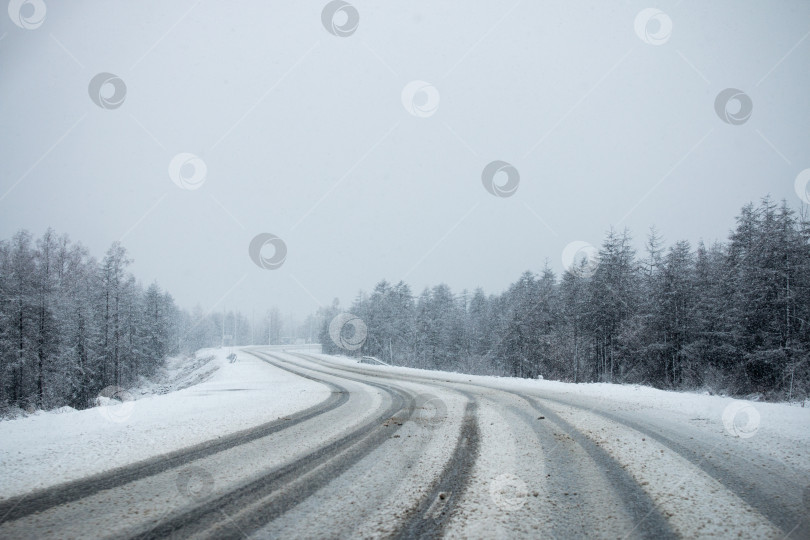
x: 72, y: 326
x: 731, y: 317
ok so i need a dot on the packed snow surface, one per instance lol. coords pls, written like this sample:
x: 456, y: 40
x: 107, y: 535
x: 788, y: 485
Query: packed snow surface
x: 780, y: 430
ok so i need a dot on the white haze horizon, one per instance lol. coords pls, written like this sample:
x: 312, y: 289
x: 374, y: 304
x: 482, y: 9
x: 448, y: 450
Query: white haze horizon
x: 332, y: 144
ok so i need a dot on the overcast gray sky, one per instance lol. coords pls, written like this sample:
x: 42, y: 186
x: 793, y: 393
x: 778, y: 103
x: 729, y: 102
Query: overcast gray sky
x: 606, y: 112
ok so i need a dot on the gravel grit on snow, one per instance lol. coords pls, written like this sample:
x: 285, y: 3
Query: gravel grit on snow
x: 780, y: 430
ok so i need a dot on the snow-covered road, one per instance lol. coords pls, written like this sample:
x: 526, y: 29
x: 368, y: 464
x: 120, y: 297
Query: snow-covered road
x: 291, y: 444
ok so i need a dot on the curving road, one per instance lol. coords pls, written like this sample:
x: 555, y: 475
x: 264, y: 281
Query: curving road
x: 414, y: 455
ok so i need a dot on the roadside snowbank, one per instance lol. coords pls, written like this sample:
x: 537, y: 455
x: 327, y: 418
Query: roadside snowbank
x: 200, y: 399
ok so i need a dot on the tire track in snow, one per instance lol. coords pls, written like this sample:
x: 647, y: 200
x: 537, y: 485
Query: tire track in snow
x: 776, y: 496
x: 251, y: 506
x: 650, y: 523
x: 41, y: 500
x: 435, y: 509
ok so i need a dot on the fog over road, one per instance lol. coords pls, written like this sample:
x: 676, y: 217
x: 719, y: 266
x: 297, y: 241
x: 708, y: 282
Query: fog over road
x: 395, y: 454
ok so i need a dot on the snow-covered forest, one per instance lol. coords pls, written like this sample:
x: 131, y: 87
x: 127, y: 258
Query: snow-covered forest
x: 730, y: 317
x: 71, y: 326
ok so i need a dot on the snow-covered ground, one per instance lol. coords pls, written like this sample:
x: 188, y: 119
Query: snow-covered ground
x: 195, y: 400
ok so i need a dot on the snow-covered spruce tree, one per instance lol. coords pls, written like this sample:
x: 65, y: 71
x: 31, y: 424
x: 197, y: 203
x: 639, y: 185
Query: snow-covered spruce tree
x: 612, y: 299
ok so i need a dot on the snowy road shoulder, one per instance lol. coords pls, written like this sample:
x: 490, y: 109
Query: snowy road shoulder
x: 204, y: 400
